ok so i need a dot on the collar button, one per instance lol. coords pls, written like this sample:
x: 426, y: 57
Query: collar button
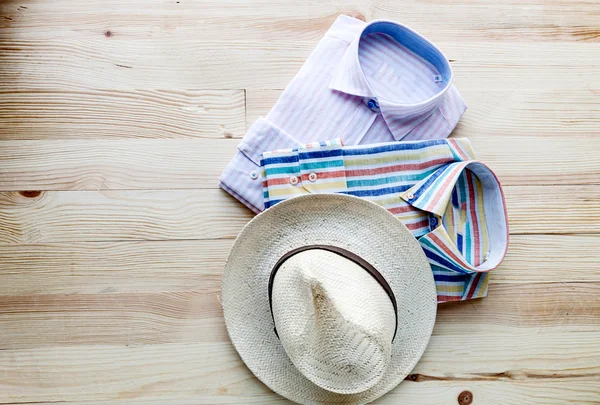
x: 433, y: 222
x: 372, y: 104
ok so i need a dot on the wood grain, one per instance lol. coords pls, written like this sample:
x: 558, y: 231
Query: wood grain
x: 242, y: 65
x: 183, y: 265
x: 204, y: 50
x: 546, y: 392
x: 195, y: 316
x: 481, y: 19
x: 86, y: 216
x: 92, y: 114
x: 259, y: 103
x: 550, y: 258
x: 197, y: 163
x: 117, y: 118
x: 471, y: 20
x: 546, y: 209
x: 539, y: 112
x: 105, y: 164
x: 555, y: 392
x: 120, y: 215
x: 113, y: 267
x: 205, y: 370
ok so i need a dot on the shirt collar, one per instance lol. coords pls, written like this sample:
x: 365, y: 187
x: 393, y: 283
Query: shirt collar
x: 400, y: 117
x: 433, y: 194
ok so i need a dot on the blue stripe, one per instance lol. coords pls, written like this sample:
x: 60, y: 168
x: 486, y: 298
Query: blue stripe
x: 469, y: 284
x: 423, y: 188
x: 459, y: 242
x: 455, y: 198
x: 318, y: 154
x: 438, y: 259
x: 378, y: 192
x: 278, y: 160
x: 468, y: 235
x: 460, y: 185
x: 377, y: 182
x: 447, y: 277
x: 392, y: 147
x: 387, y: 180
x: 271, y: 203
x: 321, y: 165
x: 282, y: 170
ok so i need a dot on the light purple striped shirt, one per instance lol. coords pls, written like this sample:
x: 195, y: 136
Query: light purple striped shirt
x: 364, y: 83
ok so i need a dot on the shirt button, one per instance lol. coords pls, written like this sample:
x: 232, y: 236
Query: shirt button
x: 433, y: 222
x: 410, y: 196
x: 293, y: 180
x: 253, y: 175
x: 373, y: 105
x: 312, y: 177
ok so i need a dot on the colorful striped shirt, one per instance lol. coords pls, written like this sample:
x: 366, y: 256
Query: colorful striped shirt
x: 453, y: 204
x: 364, y: 83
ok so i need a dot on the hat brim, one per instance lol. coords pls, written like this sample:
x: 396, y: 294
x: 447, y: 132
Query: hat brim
x: 357, y: 225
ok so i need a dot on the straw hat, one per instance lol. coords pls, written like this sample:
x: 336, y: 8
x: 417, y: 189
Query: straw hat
x: 328, y: 299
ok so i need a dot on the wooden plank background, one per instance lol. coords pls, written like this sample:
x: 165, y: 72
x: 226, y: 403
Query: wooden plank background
x: 117, y: 117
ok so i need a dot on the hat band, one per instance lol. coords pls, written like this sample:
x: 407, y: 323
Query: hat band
x: 346, y: 254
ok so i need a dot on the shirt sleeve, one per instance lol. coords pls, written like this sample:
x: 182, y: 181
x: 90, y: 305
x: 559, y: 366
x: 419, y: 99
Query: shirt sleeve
x: 241, y: 178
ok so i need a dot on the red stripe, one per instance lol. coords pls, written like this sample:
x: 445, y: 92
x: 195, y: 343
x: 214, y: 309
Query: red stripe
x: 403, y: 209
x: 397, y: 168
x: 444, y: 187
x: 459, y: 149
x: 442, y: 246
x: 286, y: 180
x: 325, y: 175
x: 474, y: 286
x: 448, y: 298
x: 276, y: 181
x: 473, y: 212
x: 417, y: 225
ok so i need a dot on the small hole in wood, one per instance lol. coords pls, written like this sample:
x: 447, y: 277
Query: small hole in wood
x: 465, y: 398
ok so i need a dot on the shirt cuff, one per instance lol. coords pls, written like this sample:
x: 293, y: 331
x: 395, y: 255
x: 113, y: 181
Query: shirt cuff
x: 263, y: 136
x: 241, y: 178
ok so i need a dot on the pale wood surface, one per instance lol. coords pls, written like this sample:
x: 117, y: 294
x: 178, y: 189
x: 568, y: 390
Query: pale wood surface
x: 116, y: 119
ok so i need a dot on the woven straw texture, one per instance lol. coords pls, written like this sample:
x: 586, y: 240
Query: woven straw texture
x: 334, y: 320
x: 356, y: 225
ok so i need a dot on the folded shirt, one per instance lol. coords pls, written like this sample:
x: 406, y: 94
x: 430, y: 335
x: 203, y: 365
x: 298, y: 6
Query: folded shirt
x: 452, y: 203
x: 364, y: 83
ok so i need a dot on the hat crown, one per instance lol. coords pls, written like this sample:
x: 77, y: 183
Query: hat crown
x: 334, y: 320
